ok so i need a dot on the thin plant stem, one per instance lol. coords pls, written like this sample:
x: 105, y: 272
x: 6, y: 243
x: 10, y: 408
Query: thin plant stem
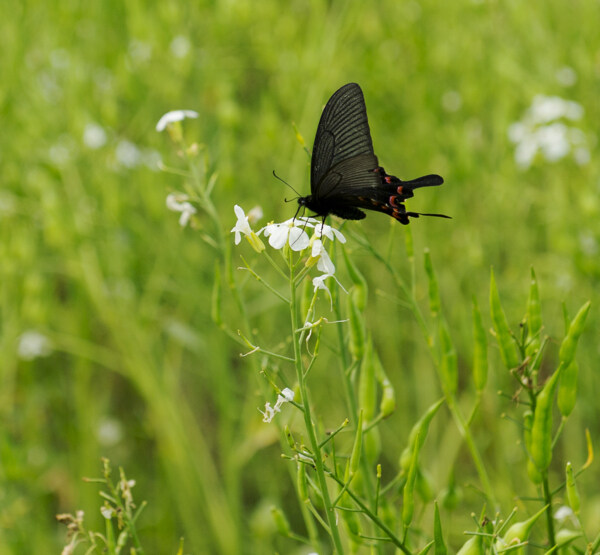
x: 310, y: 429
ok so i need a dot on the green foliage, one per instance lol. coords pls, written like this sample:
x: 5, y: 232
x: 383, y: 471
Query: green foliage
x: 119, y: 328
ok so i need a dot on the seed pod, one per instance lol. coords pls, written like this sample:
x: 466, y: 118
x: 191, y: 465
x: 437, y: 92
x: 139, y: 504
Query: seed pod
x: 302, y: 483
x: 306, y: 298
x: 367, y: 383
x: 283, y: 526
x: 567, y: 389
x: 417, y: 435
x: 357, y: 447
x: 434, y: 291
x: 541, y: 432
x: 387, y: 405
x: 448, y: 364
x: 480, y: 362
x: 565, y: 536
x: 438, y: 537
x: 408, y: 494
x: 572, y: 493
x: 569, y: 344
x: 215, y: 309
x: 534, y: 315
x: 360, y: 289
x: 505, y: 340
x: 473, y: 546
x: 357, y: 329
x: 519, y: 531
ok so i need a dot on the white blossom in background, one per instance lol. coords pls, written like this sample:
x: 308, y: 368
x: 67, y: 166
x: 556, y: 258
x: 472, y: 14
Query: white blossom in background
x: 94, y: 136
x: 286, y: 396
x: 566, y: 76
x: 32, y: 344
x: 178, y: 202
x: 564, y: 514
x: 180, y: 46
x: 255, y: 214
x: 544, y: 130
x: 174, y: 116
x: 128, y: 154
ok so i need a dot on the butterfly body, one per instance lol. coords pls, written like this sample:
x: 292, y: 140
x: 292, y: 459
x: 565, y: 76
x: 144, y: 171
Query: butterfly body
x: 346, y: 177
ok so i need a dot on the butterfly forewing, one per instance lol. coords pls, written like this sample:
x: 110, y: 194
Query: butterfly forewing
x: 343, y: 133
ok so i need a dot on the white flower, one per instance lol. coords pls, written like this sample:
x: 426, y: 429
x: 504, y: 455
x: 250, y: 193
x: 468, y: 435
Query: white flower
x: 255, y: 214
x: 173, y: 116
x: 177, y: 202
x: 324, y: 262
x: 541, y: 131
x: 243, y: 227
x: 94, y: 136
x: 33, y: 344
x: 286, y: 396
x: 549, y: 108
x: 330, y: 232
x: 107, y: 512
x: 564, y: 513
x: 290, y: 233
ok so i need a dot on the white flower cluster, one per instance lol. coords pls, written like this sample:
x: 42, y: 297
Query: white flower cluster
x: 543, y: 130
x: 286, y: 396
x: 292, y: 233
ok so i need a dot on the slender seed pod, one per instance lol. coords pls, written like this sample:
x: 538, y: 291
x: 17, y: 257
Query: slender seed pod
x: 417, y: 435
x: 567, y: 389
x: 572, y: 493
x: 448, y: 363
x: 480, y: 362
x: 569, y: 344
x: 283, y: 526
x: 434, y: 291
x: 534, y: 319
x: 357, y: 447
x: 302, y: 483
x: 408, y: 497
x: 357, y: 329
x: 505, y: 340
x: 387, y: 405
x: 532, y: 471
x: 438, y: 537
x: 541, y: 432
x: 306, y: 298
x: 519, y: 531
x: 367, y: 382
x: 360, y: 289
x: 473, y: 546
x: 216, y: 303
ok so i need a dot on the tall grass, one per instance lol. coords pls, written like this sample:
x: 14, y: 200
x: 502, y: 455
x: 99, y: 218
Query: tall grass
x: 135, y: 369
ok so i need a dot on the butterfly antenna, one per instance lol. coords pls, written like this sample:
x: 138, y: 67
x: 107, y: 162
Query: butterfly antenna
x: 286, y: 183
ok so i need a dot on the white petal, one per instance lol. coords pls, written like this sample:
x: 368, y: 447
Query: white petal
x: 278, y: 237
x: 298, y: 239
x: 288, y: 394
x: 325, y: 264
x: 173, y: 116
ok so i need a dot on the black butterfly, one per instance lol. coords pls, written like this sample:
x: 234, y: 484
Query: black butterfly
x: 345, y: 175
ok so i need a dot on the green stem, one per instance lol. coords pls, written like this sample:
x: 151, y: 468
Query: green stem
x: 310, y: 429
x: 548, y: 501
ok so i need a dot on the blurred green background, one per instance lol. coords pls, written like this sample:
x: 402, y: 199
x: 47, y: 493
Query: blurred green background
x: 132, y: 367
